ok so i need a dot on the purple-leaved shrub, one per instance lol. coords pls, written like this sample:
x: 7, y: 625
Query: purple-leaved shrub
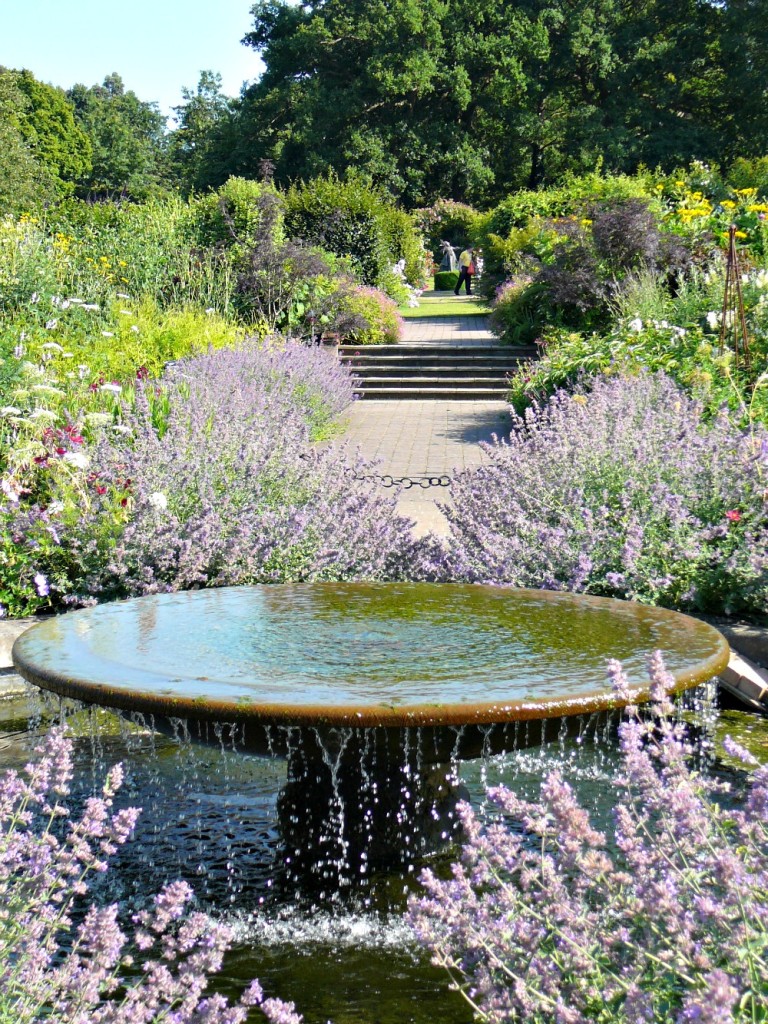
x: 621, y: 490
x: 63, y: 961
x: 551, y: 922
x: 218, y: 481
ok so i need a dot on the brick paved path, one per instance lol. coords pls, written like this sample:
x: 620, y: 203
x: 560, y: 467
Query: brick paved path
x: 429, y: 438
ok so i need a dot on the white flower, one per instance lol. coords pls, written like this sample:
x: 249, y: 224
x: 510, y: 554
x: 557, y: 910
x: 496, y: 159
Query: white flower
x: 56, y: 301
x: 121, y: 429
x: 713, y: 319
x: 10, y: 489
x: 65, y: 303
x: 55, y: 507
x: 34, y: 297
x: 158, y: 500
x: 82, y: 370
x: 636, y: 324
x: 90, y: 305
x: 122, y: 295
x: 47, y: 389
x: 77, y: 302
x: 43, y: 414
x: 114, y: 388
x: 210, y: 310
x: 98, y: 419
x: 134, y: 328
x: 53, y: 346
x: 77, y: 459
x: 107, y: 334
x: 126, y: 312
x: 50, y: 324
x: 10, y: 410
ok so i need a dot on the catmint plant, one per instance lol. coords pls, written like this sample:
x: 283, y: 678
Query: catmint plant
x: 547, y: 919
x: 624, y: 491
x: 64, y: 961
x: 219, y: 481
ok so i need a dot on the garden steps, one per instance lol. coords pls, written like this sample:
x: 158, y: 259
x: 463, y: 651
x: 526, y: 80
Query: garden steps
x: 426, y: 370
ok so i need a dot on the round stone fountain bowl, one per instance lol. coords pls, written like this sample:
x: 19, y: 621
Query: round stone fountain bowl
x: 448, y: 660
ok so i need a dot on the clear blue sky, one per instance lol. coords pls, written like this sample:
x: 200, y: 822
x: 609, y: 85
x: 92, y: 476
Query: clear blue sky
x: 157, y: 46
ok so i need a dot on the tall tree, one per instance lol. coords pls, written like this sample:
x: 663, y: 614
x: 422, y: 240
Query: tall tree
x: 47, y: 124
x: 25, y: 183
x: 127, y: 137
x: 471, y: 100
x: 195, y: 146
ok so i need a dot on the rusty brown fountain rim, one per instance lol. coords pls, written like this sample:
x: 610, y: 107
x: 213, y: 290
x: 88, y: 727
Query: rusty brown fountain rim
x: 710, y: 655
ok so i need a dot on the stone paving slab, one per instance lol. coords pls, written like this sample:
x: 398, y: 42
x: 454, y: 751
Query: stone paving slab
x: 9, y: 630
x: 440, y: 330
x: 425, y: 438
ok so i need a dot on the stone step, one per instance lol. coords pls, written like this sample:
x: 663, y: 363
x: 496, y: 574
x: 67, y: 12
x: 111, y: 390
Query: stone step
x: 468, y: 351
x: 437, y: 393
x: 747, y: 682
x: 403, y: 362
x: 498, y: 381
x: 436, y: 373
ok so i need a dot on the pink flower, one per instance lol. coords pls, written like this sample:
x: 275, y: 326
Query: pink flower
x: 734, y: 515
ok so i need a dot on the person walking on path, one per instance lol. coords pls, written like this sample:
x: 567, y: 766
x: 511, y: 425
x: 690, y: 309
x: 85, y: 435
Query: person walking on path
x: 466, y: 270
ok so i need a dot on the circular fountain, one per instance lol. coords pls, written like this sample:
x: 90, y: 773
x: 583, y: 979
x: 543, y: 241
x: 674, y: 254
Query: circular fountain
x: 372, y: 692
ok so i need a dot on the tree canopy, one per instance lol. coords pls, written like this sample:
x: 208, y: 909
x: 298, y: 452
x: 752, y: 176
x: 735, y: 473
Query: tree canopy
x: 440, y: 97
x: 126, y: 137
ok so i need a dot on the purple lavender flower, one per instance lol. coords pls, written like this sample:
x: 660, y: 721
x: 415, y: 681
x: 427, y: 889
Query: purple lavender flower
x: 51, y: 968
x: 665, y: 921
x: 623, y: 491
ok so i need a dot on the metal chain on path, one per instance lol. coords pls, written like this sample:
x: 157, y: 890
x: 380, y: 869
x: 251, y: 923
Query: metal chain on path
x: 406, y: 482
x: 387, y: 480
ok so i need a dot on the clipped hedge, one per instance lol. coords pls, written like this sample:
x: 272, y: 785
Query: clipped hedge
x: 571, y: 198
x: 353, y: 219
x: 446, y: 280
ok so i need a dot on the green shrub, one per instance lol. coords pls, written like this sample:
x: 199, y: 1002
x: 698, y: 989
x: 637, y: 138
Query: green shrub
x: 447, y: 220
x: 518, y: 316
x: 352, y: 219
x: 572, y: 198
x: 230, y: 215
x: 446, y: 280
x: 381, y: 324
x: 750, y: 174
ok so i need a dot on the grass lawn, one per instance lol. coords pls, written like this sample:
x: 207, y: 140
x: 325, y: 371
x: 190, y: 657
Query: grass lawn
x: 447, y: 304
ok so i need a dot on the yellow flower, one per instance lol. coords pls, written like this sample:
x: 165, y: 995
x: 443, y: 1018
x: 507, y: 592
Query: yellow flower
x: 580, y: 399
x: 746, y: 191
x: 757, y: 208
x: 679, y: 184
x: 740, y: 234
x: 585, y: 222
x: 728, y: 204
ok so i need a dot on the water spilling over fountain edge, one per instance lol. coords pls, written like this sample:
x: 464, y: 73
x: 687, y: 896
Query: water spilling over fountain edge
x: 371, y: 691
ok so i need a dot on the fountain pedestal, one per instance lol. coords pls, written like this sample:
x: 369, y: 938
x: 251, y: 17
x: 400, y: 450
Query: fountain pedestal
x: 349, y: 808
x: 371, y: 691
